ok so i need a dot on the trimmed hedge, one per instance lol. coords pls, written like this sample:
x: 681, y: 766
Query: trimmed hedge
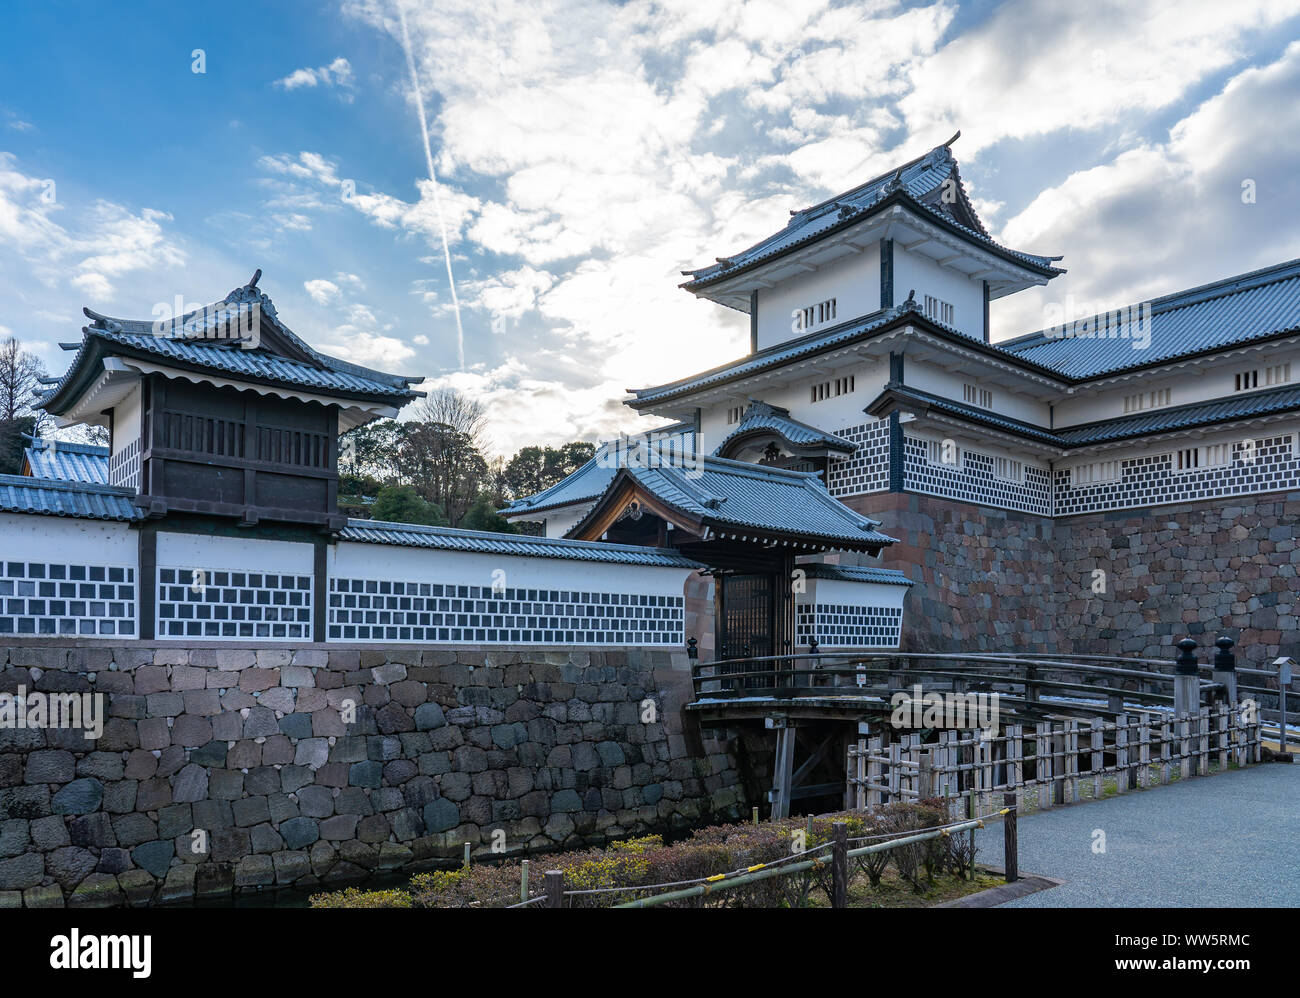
x: 644, y: 866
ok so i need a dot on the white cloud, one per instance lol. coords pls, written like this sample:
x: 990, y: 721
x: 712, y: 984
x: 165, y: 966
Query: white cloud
x: 337, y: 74
x: 385, y: 353
x: 1166, y: 216
x: 1035, y: 69
x: 107, y: 242
x: 322, y: 292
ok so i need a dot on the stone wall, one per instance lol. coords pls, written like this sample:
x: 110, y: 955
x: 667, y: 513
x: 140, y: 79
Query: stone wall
x: 254, y: 748
x: 997, y: 580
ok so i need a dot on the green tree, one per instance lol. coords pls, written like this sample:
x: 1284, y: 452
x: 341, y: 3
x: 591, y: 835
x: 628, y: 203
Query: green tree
x: 536, y: 468
x: 483, y: 515
x: 401, y: 504
x: 367, y: 455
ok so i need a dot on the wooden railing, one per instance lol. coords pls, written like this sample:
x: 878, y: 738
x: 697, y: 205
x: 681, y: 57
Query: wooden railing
x: 1054, y: 761
x: 1024, y: 678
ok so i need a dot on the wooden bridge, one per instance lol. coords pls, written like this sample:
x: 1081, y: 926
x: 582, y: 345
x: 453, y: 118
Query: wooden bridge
x: 830, y: 715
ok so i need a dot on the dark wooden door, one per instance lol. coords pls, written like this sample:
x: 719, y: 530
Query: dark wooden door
x: 747, y: 612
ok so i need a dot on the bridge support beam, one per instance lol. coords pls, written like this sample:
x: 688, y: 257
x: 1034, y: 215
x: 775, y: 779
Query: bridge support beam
x: 782, y: 767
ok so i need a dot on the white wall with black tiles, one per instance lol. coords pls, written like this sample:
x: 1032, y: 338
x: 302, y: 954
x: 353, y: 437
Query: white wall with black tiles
x: 390, y: 593
x: 849, y: 614
x: 236, y: 589
x: 1267, y: 463
x: 867, y: 470
x: 64, y: 577
x: 970, y: 476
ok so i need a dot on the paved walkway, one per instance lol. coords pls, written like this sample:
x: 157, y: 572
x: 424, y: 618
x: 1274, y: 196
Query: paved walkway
x: 1227, y: 840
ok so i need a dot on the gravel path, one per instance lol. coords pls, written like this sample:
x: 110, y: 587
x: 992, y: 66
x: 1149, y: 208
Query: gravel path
x: 1226, y: 840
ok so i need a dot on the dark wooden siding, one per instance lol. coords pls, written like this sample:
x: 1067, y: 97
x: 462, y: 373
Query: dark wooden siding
x: 228, y: 452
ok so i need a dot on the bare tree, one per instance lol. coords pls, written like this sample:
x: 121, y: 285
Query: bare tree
x: 20, y: 380
x: 448, y: 407
x: 440, y: 452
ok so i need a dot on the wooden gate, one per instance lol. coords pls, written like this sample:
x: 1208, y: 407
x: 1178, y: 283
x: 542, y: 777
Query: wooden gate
x: 745, y: 619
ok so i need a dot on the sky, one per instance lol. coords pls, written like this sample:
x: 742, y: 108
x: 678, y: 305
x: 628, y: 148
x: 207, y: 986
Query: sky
x: 584, y: 153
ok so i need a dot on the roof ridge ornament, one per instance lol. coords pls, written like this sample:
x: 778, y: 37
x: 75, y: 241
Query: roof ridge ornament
x: 101, y: 322
x: 910, y: 304
x: 894, y: 183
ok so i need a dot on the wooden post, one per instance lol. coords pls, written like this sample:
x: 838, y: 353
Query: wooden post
x: 895, y: 770
x: 554, y: 888
x: 1016, y: 745
x: 1203, y: 740
x: 523, y: 881
x: 925, y: 776
x: 1187, y: 683
x: 1043, y: 751
x: 1165, y: 734
x: 1098, y: 735
x: 1184, y: 748
x: 1121, y: 753
x: 839, y: 864
x: 1011, y: 851
x: 861, y: 800
x: 1221, y: 724
x: 873, y: 772
x: 1072, y: 759
x: 1144, y: 751
x: 1057, y: 743
x: 783, y: 766
x: 986, y: 746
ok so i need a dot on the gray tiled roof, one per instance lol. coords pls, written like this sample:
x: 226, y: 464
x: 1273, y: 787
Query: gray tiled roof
x: 22, y: 494
x: 762, y: 416
x: 174, y: 340
x: 928, y: 400
x: 857, y: 573
x: 1246, y: 405
x: 918, y: 180
x: 237, y: 362
x: 1231, y: 311
x: 739, y: 496
x: 522, y: 545
x: 67, y: 462
x: 587, y: 483
x: 773, y: 356
x: 1225, y: 410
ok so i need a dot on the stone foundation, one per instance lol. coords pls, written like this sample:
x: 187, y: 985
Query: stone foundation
x: 229, y: 769
x: 997, y: 580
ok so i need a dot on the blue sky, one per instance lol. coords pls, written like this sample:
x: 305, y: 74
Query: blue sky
x: 586, y: 152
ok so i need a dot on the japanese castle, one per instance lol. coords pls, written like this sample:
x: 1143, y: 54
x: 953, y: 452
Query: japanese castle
x: 874, y: 473
x: 871, y: 378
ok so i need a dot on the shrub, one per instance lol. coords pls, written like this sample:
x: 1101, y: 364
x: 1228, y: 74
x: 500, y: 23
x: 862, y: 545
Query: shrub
x: 353, y: 898
x: 645, y: 866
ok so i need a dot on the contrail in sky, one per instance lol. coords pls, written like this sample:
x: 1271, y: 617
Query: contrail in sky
x: 437, y: 200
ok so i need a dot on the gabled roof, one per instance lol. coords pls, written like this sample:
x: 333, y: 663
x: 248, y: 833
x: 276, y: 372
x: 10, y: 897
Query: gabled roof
x: 280, y: 357
x: 523, y: 545
x: 66, y: 462
x: 1247, y: 405
x: 895, y: 396
x: 21, y: 494
x: 930, y: 184
x: 855, y: 330
x: 1241, y: 309
x: 734, y: 498
x: 761, y: 417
